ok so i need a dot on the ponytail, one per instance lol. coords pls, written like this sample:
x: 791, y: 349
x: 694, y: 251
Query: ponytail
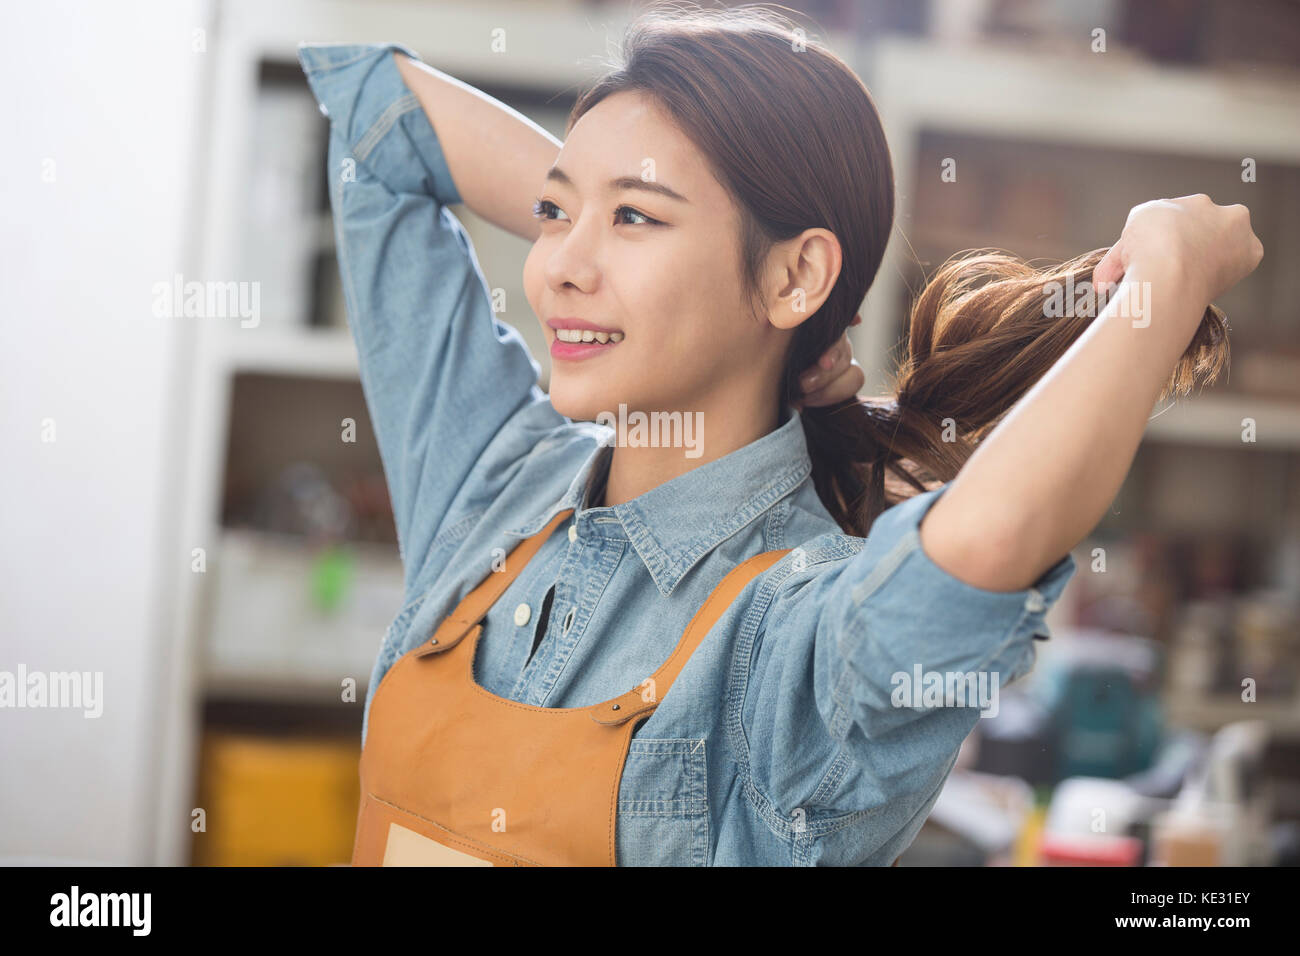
x: 982, y: 332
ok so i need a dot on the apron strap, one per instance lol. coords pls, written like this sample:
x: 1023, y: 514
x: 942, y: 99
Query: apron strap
x: 645, y: 698
x: 475, y: 606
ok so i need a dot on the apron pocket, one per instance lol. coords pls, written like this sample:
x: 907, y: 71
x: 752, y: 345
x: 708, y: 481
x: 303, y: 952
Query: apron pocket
x: 663, y: 804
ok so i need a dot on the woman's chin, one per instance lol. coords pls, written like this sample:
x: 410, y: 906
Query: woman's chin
x: 581, y: 404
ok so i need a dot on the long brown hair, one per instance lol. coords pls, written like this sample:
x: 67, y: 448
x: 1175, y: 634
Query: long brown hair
x: 793, y: 134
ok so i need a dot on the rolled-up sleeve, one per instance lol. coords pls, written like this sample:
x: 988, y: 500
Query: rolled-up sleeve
x: 894, y: 613
x: 442, y: 376
x: 364, y: 97
x: 840, y: 716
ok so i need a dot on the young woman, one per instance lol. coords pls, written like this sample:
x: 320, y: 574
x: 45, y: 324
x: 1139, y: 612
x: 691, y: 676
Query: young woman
x: 718, y: 648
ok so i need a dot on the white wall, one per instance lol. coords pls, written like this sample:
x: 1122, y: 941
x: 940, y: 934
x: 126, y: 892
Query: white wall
x: 111, y: 93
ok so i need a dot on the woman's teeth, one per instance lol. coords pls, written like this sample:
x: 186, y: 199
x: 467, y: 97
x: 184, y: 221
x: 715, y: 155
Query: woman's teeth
x: 586, y: 335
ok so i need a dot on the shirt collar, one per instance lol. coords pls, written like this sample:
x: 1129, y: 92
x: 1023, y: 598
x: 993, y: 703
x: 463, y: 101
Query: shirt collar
x: 676, y: 524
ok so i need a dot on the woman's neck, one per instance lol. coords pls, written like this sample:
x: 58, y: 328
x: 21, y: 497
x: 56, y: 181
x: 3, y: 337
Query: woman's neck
x: 635, y: 468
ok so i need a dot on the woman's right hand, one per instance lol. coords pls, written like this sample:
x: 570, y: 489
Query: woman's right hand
x: 834, y: 377
x: 1211, y: 247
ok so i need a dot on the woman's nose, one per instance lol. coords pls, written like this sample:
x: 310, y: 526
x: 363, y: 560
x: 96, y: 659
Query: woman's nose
x: 573, y: 261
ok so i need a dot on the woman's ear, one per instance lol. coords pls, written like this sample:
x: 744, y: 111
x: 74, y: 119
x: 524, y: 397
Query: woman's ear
x: 804, y: 270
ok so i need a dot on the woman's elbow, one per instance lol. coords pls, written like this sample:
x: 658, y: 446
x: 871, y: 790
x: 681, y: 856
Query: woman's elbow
x: 992, y: 554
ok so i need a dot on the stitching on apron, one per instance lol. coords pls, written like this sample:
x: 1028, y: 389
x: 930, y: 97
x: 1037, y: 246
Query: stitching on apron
x: 627, y: 730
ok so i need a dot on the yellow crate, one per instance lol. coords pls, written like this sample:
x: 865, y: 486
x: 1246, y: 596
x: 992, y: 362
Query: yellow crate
x: 277, y: 801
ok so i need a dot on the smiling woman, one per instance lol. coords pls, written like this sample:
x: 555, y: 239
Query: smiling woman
x: 664, y: 264
x: 709, y: 677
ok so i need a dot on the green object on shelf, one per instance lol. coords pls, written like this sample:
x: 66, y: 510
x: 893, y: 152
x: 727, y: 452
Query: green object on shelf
x: 331, y: 577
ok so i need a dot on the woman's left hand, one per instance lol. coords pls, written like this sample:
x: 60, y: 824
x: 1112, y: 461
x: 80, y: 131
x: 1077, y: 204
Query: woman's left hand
x: 835, y: 377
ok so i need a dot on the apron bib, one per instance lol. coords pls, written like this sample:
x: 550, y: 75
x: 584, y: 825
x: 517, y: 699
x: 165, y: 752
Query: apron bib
x: 452, y: 775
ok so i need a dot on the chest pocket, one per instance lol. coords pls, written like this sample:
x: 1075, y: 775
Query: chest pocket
x: 663, y: 804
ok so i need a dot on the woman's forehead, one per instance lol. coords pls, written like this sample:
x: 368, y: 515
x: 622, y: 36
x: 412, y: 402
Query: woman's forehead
x: 629, y: 134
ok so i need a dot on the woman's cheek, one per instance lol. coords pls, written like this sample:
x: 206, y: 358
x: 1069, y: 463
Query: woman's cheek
x: 533, y: 282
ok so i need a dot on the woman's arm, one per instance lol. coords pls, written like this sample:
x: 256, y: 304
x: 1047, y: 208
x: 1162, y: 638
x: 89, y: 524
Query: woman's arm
x: 498, y: 157
x: 452, y: 391
x: 1045, y: 475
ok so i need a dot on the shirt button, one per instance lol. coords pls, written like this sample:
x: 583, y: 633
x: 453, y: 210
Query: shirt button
x: 522, y: 613
x: 573, y: 532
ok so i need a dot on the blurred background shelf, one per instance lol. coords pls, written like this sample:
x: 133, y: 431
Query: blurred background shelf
x: 310, y: 352
x: 1216, y: 419
x: 1211, y: 713
x: 286, y: 613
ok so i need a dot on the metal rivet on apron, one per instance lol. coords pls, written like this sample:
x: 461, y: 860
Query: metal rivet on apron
x: 616, y: 706
x: 573, y: 532
x: 522, y: 613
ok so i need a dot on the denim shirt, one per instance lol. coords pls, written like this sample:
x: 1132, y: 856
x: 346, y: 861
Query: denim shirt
x: 780, y: 743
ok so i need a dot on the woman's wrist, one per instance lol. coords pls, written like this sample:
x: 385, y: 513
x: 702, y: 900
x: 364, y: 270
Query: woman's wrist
x: 1166, y: 293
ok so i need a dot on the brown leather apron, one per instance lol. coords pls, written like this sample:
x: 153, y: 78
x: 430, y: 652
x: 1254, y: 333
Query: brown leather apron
x: 452, y: 775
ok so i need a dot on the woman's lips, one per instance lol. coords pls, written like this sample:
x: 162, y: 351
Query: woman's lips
x: 579, y: 350
x: 575, y: 324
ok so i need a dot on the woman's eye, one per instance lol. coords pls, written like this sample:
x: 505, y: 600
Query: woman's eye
x: 647, y: 221
x: 545, y: 209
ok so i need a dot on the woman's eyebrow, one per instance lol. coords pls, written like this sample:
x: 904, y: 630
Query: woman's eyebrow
x: 556, y: 174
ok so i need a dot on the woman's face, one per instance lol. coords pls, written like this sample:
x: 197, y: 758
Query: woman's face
x: 638, y: 237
